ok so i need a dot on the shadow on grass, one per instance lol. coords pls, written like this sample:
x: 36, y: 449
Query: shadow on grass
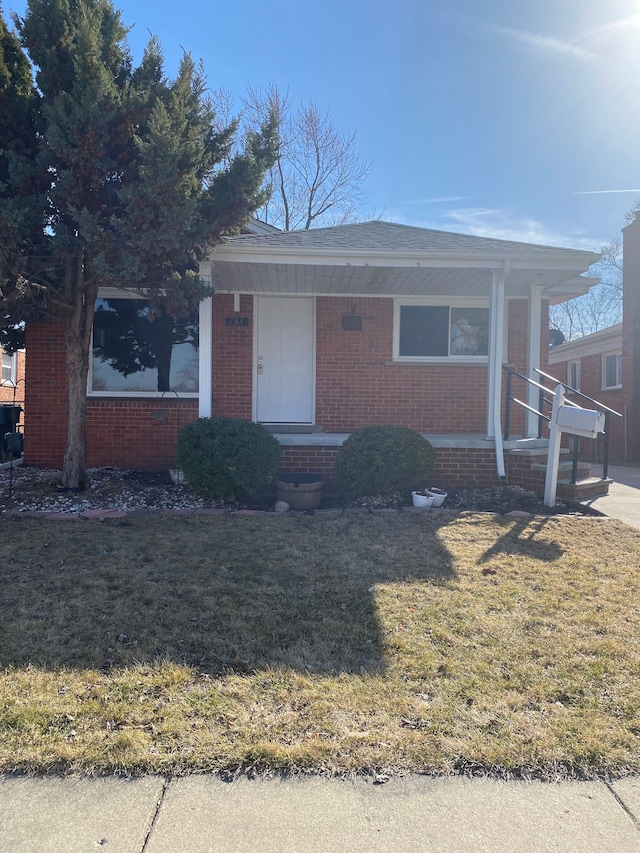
x: 524, y: 537
x: 232, y: 593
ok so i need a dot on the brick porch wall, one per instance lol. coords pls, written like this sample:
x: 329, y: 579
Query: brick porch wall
x: 455, y: 467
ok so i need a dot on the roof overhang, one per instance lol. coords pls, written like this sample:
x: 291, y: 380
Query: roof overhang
x: 594, y: 344
x: 379, y: 272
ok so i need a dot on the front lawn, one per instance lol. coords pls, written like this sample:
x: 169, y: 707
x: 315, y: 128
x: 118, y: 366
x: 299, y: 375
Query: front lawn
x: 432, y: 642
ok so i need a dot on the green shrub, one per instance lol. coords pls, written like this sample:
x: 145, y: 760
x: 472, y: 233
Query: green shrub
x: 380, y: 459
x: 227, y: 457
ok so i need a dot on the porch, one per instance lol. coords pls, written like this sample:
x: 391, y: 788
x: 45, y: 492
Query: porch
x: 462, y: 461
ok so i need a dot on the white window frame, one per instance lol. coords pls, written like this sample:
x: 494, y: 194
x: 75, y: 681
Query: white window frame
x: 455, y: 302
x: 618, y: 356
x: 107, y: 293
x: 13, y: 368
x: 577, y: 364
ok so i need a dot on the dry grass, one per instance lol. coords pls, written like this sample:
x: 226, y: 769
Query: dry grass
x: 335, y: 642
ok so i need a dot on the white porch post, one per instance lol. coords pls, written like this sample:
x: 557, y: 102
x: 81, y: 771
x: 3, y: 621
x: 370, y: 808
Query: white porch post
x: 533, y: 354
x: 205, y: 359
x: 496, y: 343
x: 494, y: 367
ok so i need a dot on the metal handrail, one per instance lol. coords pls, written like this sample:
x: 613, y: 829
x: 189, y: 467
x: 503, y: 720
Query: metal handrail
x: 601, y: 406
x: 542, y: 417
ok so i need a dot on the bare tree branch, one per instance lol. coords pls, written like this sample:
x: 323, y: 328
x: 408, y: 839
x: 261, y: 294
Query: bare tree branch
x: 318, y: 179
x: 601, y: 306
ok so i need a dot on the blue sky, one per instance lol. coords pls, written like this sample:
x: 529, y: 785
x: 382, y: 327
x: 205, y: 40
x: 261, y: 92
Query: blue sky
x: 510, y: 118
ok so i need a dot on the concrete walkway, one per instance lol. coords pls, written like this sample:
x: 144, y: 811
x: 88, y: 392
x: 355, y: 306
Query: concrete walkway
x: 623, y: 500
x: 202, y: 814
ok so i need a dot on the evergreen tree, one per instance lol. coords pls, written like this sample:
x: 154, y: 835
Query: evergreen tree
x: 130, y: 180
x: 22, y: 217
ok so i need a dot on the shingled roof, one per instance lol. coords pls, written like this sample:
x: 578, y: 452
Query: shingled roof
x: 384, y: 258
x: 389, y: 236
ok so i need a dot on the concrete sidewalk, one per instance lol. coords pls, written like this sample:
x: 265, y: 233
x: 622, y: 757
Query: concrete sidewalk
x: 623, y: 500
x: 203, y: 813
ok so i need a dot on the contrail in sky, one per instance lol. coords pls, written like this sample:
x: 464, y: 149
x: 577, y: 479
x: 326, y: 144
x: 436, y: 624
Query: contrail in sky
x: 604, y: 192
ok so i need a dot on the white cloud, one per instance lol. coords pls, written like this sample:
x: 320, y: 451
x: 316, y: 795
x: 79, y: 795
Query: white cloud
x: 440, y: 199
x: 548, y: 44
x: 502, y: 224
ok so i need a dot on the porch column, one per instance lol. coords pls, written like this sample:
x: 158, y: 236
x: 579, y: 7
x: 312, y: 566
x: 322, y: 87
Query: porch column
x: 204, y: 358
x: 533, y: 355
x: 496, y: 344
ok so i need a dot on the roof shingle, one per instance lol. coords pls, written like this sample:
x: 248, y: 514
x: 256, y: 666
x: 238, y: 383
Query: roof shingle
x: 388, y: 236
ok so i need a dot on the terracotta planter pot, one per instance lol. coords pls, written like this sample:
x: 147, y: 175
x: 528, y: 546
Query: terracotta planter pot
x: 300, y: 491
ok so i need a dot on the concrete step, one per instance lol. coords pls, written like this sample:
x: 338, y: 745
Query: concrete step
x: 531, y: 470
x: 588, y: 487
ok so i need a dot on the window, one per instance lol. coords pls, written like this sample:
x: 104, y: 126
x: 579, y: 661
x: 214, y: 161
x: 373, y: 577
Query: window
x: 612, y: 370
x: 573, y: 377
x: 136, y: 353
x: 8, y: 367
x: 441, y: 331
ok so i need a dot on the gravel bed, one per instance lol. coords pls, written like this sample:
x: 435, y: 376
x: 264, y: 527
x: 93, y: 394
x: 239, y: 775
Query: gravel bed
x: 37, y: 489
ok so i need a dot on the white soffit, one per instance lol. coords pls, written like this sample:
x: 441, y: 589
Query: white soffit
x: 381, y: 258
x: 385, y: 281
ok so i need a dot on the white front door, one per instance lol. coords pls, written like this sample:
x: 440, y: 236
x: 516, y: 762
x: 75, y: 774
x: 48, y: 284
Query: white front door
x: 284, y: 360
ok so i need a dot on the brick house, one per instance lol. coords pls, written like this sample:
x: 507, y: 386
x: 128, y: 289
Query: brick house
x: 11, y: 375
x: 316, y: 333
x: 593, y: 365
x: 12, y: 389
x: 630, y: 379
x: 606, y: 364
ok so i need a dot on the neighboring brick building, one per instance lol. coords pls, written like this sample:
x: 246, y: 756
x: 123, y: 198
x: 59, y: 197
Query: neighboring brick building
x: 12, y: 385
x: 631, y: 335
x: 317, y: 333
x: 606, y: 364
x: 593, y: 365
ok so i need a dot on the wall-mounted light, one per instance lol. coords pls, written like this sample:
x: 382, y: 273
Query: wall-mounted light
x: 351, y: 322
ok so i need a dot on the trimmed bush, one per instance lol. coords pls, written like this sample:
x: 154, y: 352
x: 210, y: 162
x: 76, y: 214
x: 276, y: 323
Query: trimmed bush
x: 227, y: 457
x: 380, y: 459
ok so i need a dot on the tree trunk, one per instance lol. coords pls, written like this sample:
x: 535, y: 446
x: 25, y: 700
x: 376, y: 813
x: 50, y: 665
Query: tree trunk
x: 162, y: 341
x: 78, y: 338
x: 74, y: 469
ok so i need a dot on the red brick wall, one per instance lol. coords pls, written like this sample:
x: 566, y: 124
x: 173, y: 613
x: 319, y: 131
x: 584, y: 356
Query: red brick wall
x: 121, y: 433
x: 136, y: 433
x: 356, y: 386
x: 232, y: 359
x: 45, y: 394
x: 455, y: 467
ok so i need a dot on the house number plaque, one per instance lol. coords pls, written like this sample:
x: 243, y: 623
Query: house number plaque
x: 236, y: 321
